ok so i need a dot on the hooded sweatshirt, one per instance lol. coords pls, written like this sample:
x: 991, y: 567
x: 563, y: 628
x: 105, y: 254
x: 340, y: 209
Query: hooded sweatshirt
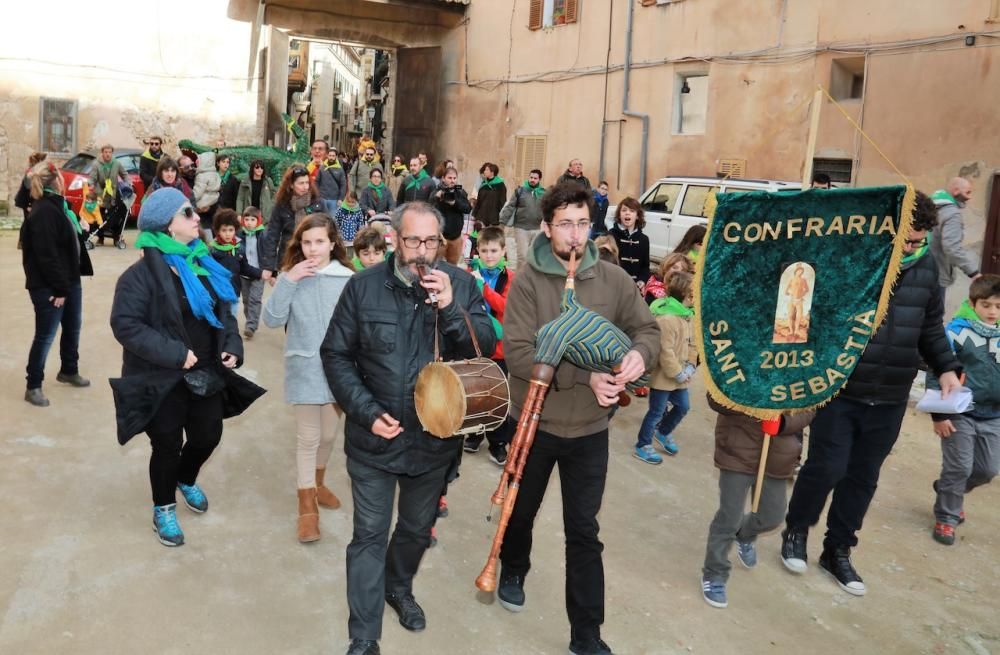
x: 570, y: 410
x: 949, y: 233
x: 677, y: 348
x: 977, y: 347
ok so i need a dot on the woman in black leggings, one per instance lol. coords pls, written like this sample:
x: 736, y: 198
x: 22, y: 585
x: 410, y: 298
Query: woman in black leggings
x: 171, y: 314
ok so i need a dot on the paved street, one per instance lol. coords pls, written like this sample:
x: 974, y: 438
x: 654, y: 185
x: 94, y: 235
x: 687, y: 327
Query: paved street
x: 81, y: 571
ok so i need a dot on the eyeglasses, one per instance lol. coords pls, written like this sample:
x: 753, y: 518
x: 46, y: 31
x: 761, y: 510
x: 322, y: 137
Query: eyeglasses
x: 188, y: 212
x: 916, y: 243
x: 154, y: 143
x: 569, y: 226
x: 431, y: 243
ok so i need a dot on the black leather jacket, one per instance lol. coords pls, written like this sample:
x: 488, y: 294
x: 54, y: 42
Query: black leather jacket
x: 380, y: 337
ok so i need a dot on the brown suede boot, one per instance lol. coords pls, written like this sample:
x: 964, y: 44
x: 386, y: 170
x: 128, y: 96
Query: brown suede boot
x: 308, y: 516
x: 324, y: 496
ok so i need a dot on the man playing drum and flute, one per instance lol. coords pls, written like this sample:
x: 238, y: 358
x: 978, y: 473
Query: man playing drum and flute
x: 573, y: 427
x: 384, y: 331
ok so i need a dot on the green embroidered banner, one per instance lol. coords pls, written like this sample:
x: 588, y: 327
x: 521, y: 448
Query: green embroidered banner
x: 790, y: 288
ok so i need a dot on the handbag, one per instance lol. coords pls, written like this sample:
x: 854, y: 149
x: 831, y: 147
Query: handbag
x: 204, y: 382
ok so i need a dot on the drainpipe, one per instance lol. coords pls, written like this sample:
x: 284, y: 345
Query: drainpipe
x: 604, y: 107
x: 644, y: 153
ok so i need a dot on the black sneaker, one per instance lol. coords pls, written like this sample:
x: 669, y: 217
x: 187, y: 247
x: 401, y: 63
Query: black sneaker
x: 837, y: 562
x: 411, y: 616
x: 588, y: 646
x: 498, y: 453
x: 472, y: 443
x: 363, y: 647
x: 510, y: 592
x: 794, y: 554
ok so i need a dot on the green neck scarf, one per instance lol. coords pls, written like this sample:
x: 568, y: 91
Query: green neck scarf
x: 255, y: 230
x: 415, y: 180
x: 477, y: 265
x: 106, y: 167
x: 224, y: 247
x: 377, y: 189
x: 537, y: 191
x: 69, y: 212
x: 168, y: 246
x: 225, y: 176
x: 348, y: 208
x: 489, y: 184
x: 967, y: 312
x: 670, y: 306
x: 909, y: 260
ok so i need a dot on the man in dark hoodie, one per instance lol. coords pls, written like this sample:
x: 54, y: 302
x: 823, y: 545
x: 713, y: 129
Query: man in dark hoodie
x: 573, y: 428
x: 853, y: 434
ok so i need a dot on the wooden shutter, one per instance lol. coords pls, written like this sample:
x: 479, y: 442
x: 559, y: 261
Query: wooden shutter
x: 572, y: 10
x: 529, y: 153
x: 535, y: 15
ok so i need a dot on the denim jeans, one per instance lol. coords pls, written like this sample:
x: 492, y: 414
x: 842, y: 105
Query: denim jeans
x: 330, y: 206
x: 48, y: 317
x: 657, y: 416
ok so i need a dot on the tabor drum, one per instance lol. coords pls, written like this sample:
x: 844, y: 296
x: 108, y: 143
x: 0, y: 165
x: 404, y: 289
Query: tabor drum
x: 469, y: 396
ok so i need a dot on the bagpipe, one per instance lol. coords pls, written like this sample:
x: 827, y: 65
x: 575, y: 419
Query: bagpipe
x: 583, y: 338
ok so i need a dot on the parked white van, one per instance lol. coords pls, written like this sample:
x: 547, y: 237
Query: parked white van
x: 673, y: 204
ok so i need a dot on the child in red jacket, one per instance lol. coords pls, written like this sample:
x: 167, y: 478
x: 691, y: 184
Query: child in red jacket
x: 494, y: 278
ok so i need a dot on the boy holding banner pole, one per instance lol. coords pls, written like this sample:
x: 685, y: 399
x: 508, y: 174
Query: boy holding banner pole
x: 739, y: 443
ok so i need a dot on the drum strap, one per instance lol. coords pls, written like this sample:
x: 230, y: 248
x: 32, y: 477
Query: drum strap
x: 437, y: 335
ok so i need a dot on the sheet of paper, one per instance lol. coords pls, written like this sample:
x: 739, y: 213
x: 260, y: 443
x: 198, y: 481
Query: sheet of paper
x: 957, y: 402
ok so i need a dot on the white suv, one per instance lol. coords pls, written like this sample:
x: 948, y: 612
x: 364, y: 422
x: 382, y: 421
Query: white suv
x: 673, y: 204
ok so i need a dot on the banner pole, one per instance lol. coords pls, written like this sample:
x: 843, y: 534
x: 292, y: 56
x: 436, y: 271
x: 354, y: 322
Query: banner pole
x: 760, y: 474
x: 807, y: 167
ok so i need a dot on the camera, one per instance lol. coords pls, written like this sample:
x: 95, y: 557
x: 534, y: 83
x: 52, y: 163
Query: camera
x: 449, y: 194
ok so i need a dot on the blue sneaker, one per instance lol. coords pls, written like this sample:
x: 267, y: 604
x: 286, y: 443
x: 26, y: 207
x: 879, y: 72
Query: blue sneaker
x: 647, y: 454
x: 667, y: 443
x: 714, y: 593
x: 194, y: 497
x: 165, y: 525
x: 747, y: 553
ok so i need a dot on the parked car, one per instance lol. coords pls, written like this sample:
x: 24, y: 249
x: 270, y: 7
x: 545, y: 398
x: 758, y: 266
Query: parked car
x: 673, y: 204
x: 80, y: 168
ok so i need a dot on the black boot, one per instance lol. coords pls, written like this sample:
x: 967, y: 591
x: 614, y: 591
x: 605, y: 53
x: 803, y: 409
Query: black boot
x: 794, y: 554
x: 837, y: 562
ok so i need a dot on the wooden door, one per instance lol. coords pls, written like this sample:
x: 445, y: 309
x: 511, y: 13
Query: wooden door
x: 991, y: 242
x: 418, y: 90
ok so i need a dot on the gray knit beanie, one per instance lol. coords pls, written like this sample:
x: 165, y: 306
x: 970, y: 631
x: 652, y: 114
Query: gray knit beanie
x: 159, y: 209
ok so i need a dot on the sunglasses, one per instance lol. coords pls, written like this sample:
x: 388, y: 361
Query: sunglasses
x: 155, y: 143
x: 188, y: 212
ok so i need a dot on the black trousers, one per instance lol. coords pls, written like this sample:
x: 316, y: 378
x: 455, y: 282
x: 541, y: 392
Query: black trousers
x: 175, y: 459
x: 848, y: 441
x: 372, y: 569
x: 583, y: 471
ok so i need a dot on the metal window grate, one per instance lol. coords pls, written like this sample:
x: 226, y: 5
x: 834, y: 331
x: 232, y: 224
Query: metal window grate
x: 839, y: 170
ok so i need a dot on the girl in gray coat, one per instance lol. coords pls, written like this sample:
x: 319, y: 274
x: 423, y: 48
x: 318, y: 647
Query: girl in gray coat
x: 314, y: 273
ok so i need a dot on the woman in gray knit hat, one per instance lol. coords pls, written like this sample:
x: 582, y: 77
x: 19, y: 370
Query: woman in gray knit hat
x: 171, y: 314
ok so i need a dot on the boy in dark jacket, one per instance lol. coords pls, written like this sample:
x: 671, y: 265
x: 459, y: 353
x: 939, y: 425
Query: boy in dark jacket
x: 970, y: 442
x: 853, y: 434
x: 738, y: 442
x: 227, y: 249
x: 252, y: 289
